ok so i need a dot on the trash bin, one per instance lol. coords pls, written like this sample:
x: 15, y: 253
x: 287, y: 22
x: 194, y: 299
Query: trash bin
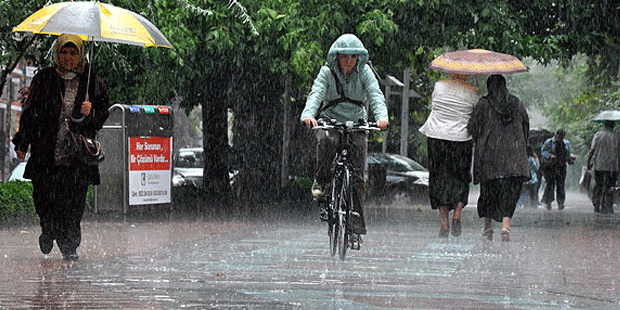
x: 137, y: 171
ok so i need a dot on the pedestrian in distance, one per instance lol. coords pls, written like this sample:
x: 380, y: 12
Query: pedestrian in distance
x: 57, y: 102
x: 603, y: 157
x: 529, y: 194
x: 450, y: 149
x: 556, y: 153
x: 500, y: 127
x: 338, y: 93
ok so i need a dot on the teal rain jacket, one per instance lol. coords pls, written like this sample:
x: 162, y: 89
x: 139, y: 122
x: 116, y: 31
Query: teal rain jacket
x: 362, y: 84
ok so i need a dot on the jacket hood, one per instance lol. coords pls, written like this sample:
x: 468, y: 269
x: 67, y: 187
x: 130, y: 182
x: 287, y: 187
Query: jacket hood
x: 347, y: 44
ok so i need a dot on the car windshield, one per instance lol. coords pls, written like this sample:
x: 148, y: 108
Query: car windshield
x: 399, y: 163
x: 190, y: 159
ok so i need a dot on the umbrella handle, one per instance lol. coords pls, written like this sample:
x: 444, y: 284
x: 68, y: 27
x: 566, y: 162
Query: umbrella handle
x: 90, y: 56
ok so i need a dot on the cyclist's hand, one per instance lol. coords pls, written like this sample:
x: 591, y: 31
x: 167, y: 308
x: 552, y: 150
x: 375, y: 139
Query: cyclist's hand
x: 310, y: 122
x: 383, y: 124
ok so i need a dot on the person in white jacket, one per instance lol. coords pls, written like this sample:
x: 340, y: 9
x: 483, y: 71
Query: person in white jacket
x: 450, y: 149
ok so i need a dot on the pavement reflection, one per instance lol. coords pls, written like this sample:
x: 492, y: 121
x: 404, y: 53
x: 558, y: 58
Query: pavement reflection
x: 556, y: 260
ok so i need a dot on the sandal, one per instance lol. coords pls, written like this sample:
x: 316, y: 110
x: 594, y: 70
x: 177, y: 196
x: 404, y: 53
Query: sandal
x: 488, y: 233
x: 456, y: 227
x: 505, y: 235
x: 444, y: 232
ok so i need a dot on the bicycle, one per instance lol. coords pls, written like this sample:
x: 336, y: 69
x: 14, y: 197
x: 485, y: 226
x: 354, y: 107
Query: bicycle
x: 339, y: 194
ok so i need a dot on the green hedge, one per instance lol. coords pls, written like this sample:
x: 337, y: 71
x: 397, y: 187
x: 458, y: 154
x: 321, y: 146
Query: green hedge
x: 16, y: 204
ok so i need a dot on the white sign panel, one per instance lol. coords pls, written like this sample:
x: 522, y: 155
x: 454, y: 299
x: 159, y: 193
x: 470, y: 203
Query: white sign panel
x: 150, y: 160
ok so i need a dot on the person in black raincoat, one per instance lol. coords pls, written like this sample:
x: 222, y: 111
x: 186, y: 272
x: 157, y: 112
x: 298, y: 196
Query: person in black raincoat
x: 58, y: 101
x: 500, y: 127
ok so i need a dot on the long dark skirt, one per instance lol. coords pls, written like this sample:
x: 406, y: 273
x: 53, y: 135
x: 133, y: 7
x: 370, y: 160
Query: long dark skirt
x: 449, y: 166
x: 59, y: 198
x: 498, y: 197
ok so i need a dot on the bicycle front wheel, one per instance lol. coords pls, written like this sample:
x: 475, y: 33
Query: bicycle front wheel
x: 333, y: 229
x: 343, y: 213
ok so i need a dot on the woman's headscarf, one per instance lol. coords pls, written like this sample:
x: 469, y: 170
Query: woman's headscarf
x: 64, y: 40
x: 500, y: 99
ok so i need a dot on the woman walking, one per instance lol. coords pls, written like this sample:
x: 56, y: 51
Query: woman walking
x: 450, y: 149
x: 57, y: 102
x: 499, y: 127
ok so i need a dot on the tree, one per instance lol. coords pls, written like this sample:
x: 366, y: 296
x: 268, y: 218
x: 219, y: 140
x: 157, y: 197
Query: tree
x: 239, y: 55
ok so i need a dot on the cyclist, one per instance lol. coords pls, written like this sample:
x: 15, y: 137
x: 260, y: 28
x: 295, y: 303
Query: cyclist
x: 338, y: 93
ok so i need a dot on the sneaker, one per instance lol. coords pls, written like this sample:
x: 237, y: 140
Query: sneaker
x: 561, y: 207
x: 355, y: 241
x: 317, y: 190
x: 547, y: 205
x: 46, y: 243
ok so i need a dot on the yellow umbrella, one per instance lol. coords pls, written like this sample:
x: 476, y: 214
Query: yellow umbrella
x: 94, y: 21
x: 478, y: 62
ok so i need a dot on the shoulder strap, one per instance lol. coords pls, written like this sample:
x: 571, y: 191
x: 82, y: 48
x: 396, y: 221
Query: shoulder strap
x: 342, y: 98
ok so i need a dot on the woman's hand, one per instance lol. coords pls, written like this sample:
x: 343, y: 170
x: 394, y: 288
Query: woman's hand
x: 86, y: 106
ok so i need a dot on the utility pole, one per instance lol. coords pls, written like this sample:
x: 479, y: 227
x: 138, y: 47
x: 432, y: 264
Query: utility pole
x: 404, y: 113
x: 389, y: 82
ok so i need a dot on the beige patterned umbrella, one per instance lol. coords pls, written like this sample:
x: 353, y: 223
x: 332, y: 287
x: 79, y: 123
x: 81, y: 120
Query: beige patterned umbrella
x: 478, y: 62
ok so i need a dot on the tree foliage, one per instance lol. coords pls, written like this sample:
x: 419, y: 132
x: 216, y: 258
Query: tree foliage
x: 238, y: 54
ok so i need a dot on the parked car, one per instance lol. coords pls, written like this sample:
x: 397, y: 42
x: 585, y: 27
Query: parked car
x: 189, y: 168
x: 406, y: 180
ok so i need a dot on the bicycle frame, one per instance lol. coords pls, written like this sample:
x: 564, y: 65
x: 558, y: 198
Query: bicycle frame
x: 340, y: 208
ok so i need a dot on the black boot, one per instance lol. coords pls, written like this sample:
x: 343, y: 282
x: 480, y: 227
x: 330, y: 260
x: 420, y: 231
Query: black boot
x: 46, y: 243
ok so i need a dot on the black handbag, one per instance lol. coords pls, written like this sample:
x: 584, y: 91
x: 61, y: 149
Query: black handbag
x: 85, y: 150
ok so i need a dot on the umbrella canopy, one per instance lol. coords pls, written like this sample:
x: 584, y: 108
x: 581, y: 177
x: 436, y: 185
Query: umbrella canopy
x: 607, y: 116
x: 477, y: 62
x: 94, y: 21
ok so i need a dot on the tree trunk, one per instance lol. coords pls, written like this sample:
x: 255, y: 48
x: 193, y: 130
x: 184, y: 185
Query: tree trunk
x: 216, y: 180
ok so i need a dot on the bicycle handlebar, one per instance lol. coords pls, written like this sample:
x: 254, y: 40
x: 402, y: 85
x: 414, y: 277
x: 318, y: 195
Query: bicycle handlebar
x: 350, y: 125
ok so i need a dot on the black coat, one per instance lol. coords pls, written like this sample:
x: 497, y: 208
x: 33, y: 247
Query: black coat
x: 40, y: 117
x: 500, y: 149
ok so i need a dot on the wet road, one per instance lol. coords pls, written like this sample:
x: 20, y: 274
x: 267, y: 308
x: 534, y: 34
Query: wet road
x: 556, y: 260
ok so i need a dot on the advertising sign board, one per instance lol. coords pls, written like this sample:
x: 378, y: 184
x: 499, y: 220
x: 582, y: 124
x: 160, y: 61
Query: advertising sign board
x: 150, y: 160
